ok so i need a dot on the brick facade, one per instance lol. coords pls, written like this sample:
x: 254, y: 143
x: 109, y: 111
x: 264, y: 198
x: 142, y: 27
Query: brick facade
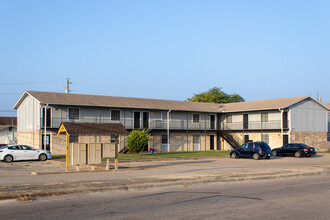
x: 313, y: 139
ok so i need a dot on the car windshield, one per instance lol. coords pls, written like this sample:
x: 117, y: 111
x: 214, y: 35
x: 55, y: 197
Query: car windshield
x: 264, y: 146
x: 3, y: 147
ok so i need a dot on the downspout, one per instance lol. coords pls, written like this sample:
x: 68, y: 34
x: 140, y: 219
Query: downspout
x: 45, y: 127
x: 281, y: 110
x: 168, y: 130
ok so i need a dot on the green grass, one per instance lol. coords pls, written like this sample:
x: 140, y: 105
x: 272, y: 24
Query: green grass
x: 196, y: 154
x: 58, y: 156
x: 146, y: 156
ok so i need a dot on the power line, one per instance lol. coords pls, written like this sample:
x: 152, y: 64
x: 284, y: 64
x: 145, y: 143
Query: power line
x: 29, y: 83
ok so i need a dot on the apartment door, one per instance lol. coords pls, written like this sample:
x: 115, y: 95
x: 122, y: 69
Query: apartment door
x: 136, y: 120
x: 47, y: 146
x: 145, y: 120
x: 212, y: 122
x: 196, y: 142
x: 285, y: 139
x: 285, y: 119
x: 211, y: 142
x: 245, y: 121
x: 47, y: 115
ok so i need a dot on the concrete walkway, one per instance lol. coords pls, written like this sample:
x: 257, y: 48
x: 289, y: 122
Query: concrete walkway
x: 49, y: 178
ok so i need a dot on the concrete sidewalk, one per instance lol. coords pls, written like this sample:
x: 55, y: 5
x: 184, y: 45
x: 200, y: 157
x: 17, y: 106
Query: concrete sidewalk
x: 49, y: 178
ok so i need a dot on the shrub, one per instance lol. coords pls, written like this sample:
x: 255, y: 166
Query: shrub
x: 137, y: 140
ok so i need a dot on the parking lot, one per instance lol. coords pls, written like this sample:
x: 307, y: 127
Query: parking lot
x: 49, y: 177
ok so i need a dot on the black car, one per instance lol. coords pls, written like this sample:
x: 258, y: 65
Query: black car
x: 293, y: 149
x: 256, y: 150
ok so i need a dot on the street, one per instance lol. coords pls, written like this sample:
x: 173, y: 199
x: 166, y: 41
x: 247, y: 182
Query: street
x: 292, y: 198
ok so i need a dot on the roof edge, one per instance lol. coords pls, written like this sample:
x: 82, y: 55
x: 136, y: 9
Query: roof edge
x: 23, y: 96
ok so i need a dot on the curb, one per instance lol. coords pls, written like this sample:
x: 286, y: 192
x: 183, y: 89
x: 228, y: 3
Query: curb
x: 57, y: 189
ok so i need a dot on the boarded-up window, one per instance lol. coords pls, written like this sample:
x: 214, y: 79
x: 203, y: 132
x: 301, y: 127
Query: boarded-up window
x: 229, y: 118
x: 264, y: 117
x: 115, y: 115
x: 265, y: 137
x: 73, y: 113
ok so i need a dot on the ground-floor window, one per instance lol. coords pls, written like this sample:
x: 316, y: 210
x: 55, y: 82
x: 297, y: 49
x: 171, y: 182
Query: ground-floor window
x: 164, y: 143
x: 196, y: 142
x: 265, y: 137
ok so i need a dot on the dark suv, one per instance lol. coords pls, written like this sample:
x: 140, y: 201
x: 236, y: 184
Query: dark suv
x: 297, y: 150
x: 256, y: 150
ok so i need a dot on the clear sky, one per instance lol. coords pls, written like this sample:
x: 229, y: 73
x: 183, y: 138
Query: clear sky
x: 165, y: 49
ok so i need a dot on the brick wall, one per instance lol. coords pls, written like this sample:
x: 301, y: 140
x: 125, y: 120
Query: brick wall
x: 313, y: 139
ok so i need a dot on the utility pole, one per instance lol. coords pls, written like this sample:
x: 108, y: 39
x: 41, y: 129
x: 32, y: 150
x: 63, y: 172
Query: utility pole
x: 67, y: 88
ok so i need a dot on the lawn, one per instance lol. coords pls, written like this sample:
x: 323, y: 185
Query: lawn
x: 193, y: 154
x: 146, y: 156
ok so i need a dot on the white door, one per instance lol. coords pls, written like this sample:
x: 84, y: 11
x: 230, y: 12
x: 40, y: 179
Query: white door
x: 196, y: 142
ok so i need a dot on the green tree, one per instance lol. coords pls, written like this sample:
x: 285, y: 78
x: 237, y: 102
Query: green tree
x: 137, y: 140
x: 216, y: 95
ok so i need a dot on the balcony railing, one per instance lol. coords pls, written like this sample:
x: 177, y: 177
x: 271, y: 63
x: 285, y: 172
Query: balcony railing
x: 252, y: 125
x: 132, y: 124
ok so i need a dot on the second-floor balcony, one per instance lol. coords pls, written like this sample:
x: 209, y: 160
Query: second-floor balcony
x: 253, y: 125
x: 136, y: 124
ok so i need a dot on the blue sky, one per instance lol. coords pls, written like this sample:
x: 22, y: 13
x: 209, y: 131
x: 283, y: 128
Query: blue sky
x: 165, y: 49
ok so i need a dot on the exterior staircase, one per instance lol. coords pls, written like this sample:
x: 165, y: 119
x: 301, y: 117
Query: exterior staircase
x: 234, y: 140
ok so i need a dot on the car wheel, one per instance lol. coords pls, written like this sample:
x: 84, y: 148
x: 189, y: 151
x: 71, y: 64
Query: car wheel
x: 233, y: 156
x: 274, y: 153
x: 297, y: 154
x: 42, y: 157
x: 256, y: 156
x: 8, y: 158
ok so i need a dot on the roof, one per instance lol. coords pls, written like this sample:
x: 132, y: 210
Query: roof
x: 267, y: 104
x: 92, y: 128
x: 327, y: 105
x: 8, y: 121
x: 70, y: 99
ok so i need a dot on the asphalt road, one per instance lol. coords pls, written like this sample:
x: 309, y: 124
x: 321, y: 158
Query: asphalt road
x: 294, y: 198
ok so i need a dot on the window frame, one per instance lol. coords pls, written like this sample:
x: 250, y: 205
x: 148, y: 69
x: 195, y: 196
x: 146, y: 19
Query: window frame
x: 111, y: 115
x: 69, y: 115
x: 263, y: 139
x: 193, y: 118
x: 262, y: 118
x: 230, y: 116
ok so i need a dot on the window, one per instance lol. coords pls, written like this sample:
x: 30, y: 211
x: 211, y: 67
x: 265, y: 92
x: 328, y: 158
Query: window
x: 264, y: 117
x: 112, y: 139
x: 195, y: 118
x: 265, y: 137
x: 229, y: 118
x: 73, y: 139
x: 73, y: 113
x: 164, y: 138
x: 115, y: 115
x: 26, y: 147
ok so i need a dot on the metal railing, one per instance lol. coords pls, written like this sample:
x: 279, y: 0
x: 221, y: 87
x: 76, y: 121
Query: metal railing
x: 132, y: 124
x: 252, y: 125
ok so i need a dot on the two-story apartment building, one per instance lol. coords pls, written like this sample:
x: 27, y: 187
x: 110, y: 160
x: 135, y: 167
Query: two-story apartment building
x: 190, y: 126
x: 278, y: 121
x: 174, y: 125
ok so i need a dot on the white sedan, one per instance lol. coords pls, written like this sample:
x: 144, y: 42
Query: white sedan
x: 22, y: 152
